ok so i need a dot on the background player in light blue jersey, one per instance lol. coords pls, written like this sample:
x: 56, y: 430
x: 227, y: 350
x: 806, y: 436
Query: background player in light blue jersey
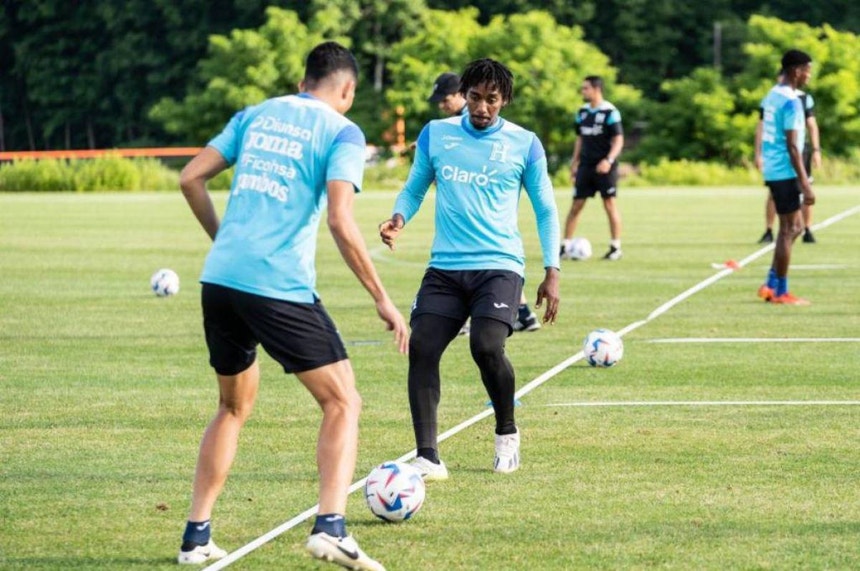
x: 292, y: 156
x: 480, y: 163
x: 811, y: 158
x: 783, y: 134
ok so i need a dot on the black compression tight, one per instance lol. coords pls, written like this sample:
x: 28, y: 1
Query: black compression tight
x: 431, y: 335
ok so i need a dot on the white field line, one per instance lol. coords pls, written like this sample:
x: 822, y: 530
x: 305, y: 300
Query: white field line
x: 709, y: 403
x: 527, y: 388
x: 756, y: 340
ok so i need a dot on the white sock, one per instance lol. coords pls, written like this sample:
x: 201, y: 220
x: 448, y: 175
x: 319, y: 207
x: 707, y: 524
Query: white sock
x: 615, y: 244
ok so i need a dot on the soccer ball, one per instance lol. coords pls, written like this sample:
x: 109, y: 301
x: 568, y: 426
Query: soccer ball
x: 602, y: 348
x: 394, y: 491
x: 164, y: 283
x: 577, y: 249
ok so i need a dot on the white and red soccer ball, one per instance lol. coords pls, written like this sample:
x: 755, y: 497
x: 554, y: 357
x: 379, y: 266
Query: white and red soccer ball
x: 602, y: 348
x: 394, y: 491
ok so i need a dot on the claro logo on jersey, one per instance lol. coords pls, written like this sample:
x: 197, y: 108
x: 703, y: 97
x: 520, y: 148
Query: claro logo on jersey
x: 456, y: 174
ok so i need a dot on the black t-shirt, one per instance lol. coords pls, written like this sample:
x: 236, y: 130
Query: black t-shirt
x: 596, y: 128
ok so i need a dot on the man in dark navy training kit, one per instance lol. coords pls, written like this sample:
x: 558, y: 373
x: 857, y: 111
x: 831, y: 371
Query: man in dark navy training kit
x: 480, y: 162
x: 783, y: 135
x: 293, y: 155
x: 594, y: 165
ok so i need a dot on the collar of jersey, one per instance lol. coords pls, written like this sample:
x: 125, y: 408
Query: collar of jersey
x: 601, y: 107
x: 479, y: 134
x: 306, y: 95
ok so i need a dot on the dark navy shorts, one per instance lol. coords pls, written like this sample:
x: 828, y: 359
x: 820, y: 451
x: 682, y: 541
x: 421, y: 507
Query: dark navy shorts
x: 786, y: 195
x: 589, y: 182
x: 459, y: 294
x: 299, y: 336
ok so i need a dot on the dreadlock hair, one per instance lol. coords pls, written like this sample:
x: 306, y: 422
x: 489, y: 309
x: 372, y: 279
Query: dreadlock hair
x: 488, y: 71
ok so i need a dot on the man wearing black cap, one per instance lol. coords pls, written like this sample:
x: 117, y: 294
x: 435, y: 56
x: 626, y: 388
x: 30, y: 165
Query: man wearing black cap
x: 446, y: 94
x: 783, y: 136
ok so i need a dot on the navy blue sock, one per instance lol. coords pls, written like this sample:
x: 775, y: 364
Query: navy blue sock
x: 198, y: 532
x: 781, y: 285
x: 524, y: 311
x: 772, y: 278
x: 332, y: 524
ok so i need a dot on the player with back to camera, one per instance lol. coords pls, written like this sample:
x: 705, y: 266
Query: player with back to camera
x: 480, y: 163
x: 594, y: 166
x: 783, y: 134
x: 811, y: 157
x: 293, y: 155
x: 446, y: 94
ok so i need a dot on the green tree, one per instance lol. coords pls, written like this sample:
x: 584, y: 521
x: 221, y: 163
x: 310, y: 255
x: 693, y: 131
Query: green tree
x: 243, y: 69
x: 548, y: 60
x: 835, y: 83
x: 698, y: 121
x: 442, y: 44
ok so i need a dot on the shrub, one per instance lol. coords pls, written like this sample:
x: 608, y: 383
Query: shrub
x: 692, y: 173
x: 34, y: 175
x: 106, y: 173
x: 155, y: 176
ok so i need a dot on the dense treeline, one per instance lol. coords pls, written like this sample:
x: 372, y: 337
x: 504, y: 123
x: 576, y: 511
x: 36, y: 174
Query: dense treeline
x: 109, y: 73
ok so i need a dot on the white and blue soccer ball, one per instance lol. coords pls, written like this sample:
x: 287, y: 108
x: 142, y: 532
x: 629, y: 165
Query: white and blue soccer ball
x: 164, y: 282
x: 576, y: 249
x: 394, y: 491
x: 603, y: 348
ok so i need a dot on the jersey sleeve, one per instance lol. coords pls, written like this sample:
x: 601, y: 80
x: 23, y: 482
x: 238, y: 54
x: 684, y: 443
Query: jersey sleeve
x: 614, y: 123
x: 229, y: 141
x: 346, y: 159
x: 809, y: 108
x: 539, y: 190
x: 421, y: 176
x: 792, y: 111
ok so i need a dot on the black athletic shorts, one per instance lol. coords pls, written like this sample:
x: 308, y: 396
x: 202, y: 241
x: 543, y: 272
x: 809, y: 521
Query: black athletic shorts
x: 459, y: 294
x: 786, y: 195
x: 299, y: 336
x: 589, y: 182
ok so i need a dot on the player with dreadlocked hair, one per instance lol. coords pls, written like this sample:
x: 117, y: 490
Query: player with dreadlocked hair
x: 490, y: 72
x: 480, y: 162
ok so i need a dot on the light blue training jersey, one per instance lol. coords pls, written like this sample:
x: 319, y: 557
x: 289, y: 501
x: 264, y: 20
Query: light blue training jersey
x: 284, y: 151
x: 479, y: 175
x: 782, y: 111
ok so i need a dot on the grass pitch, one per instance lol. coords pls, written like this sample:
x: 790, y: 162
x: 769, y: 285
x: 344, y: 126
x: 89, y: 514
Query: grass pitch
x: 106, y: 391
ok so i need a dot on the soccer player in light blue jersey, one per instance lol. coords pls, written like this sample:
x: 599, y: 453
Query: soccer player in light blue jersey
x: 446, y: 94
x: 480, y: 162
x: 293, y: 155
x: 811, y: 158
x: 783, y: 134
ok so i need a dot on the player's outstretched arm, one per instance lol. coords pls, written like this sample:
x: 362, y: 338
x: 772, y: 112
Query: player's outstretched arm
x: 192, y: 181
x: 350, y: 242
x: 548, y: 291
